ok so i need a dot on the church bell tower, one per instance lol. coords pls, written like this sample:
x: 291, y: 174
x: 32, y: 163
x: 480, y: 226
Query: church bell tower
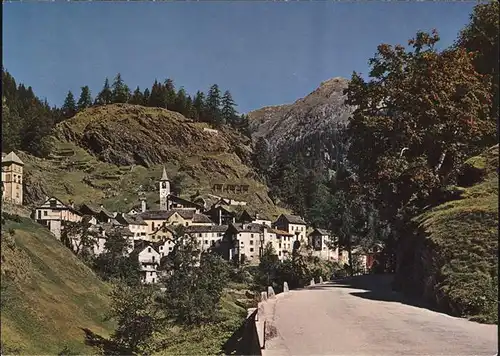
x: 164, y: 190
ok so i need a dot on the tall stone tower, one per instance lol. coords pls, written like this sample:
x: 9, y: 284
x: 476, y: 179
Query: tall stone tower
x: 12, y: 178
x: 164, y: 190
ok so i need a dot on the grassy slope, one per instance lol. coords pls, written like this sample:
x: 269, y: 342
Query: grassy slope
x: 197, y: 158
x: 49, y: 293
x: 209, y: 340
x: 464, y: 235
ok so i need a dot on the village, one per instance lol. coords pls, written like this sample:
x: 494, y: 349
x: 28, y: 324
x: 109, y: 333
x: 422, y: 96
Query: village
x: 218, y: 224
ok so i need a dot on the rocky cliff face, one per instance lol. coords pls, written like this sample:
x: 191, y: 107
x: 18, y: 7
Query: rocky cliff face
x: 130, y: 134
x: 308, y: 124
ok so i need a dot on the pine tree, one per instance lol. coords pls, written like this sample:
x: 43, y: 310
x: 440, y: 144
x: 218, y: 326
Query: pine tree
x: 145, y: 97
x: 213, y: 106
x: 137, y: 97
x: 169, y: 93
x: 180, y: 104
x: 105, y: 96
x: 121, y: 92
x: 69, y: 106
x: 85, y: 100
x: 228, y: 111
x: 262, y: 157
x: 199, y: 106
x: 157, y: 97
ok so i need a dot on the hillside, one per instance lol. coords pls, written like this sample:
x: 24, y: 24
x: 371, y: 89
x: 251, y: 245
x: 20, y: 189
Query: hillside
x: 290, y: 124
x: 107, y: 154
x: 47, y: 293
x: 459, y: 249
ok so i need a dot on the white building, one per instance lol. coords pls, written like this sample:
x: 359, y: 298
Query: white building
x: 149, y: 260
x: 292, y: 224
x: 53, y: 212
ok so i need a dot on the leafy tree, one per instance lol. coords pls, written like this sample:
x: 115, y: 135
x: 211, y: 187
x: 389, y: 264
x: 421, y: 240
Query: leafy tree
x: 213, y: 105
x: 192, y: 297
x: 120, y: 92
x: 85, y: 100
x: 105, y: 96
x: 80, y: 237
x: 481, y: 37
x: 418, y: 117
x: 137, y: 97
x: 228, y: 111
x: 137, y: 316
x: 69, y: 107
x: 268, y: 267
x: 115, y: 264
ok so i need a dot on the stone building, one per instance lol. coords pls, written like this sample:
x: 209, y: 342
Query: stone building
x: 53, y: 212
x: 12, y: 178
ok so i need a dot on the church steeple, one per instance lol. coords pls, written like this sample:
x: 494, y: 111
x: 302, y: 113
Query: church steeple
x: 164, y: 176
x: 164, y: 190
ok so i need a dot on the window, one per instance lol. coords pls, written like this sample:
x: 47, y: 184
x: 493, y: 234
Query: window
x: 251, y: 235
x: 200, y: 235
x: 152, y: 225
x: 149, y: 249
x: 251, y: 242
x: 206, y: 242
x: 150, y: 273
x: 153, y: 280
x: 251, y: 249
x: 279, y: 245
x: 302, y: 228
x: 187, y: 224
x: 153, y: 258
x: 45, y: 213
x: 53, y: 203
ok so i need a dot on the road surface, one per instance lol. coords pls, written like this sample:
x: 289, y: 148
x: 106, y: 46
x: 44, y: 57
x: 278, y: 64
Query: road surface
x: 364, y: 317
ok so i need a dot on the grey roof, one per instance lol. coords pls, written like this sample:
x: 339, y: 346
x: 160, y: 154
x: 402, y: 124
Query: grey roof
x: 155, y: 215
x: 320, y: 231
x: 11, y: 157
x: 201, y: 218
x: 294, y: 219
x: 248, y: 227
x: 130, y: 219
x: 140, y: 245
x: 210, y: 228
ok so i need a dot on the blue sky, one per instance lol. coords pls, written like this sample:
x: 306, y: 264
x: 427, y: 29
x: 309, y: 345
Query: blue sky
x: 265, y: 53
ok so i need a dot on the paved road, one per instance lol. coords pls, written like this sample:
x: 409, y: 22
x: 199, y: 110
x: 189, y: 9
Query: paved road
x: 364, y: 317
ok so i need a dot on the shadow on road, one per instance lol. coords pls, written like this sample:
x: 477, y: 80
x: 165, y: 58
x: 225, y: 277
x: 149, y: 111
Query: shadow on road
x: 375, y: 287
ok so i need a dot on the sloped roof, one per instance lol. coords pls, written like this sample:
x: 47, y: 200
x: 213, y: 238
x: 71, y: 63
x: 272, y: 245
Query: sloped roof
x: 280, y: 232
x: 322, y: 232
x: 97, y: 209
x: 183, y: 201
x: 164, y: 176
x: 11, y: 157
x: 155, y: 215
x: 140, y: 245
x: 209, y: 228
x: 247, y: 227
x: 294, y: 219
x: 201, y: 218
x: 131, y: 219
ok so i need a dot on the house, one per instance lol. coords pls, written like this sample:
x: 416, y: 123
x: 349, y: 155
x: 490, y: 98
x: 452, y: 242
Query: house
x: 320, y: 240
x: 261, y: 219
x: 135, y: 223
x: 207, y: 235
x: 244, y: 242
x: 175, y: 202
x: 184, y: 217
x: 292, y: 224
x: 149, y: 260
x: 53, y: 212
x: 101, y: 214
x: 222, y: 214
x: 12, y: 178
x: 282, y: 242
x: 163, y: 232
